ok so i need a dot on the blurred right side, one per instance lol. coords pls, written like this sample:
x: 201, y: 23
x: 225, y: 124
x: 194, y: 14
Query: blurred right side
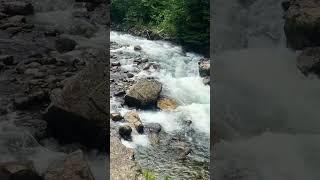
x: 266, y: 89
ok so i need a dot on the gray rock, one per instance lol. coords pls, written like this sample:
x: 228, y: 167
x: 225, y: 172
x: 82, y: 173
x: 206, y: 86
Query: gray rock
x: 137, y: 48
x: 204, y: 67
x: 130, y: 75
x: 116, y: 117
x: 308, y: 61
x: 144, y: 93
x: 17, y: 8
x: 73, y: 166
x: 7, y: 59
x: 116, y: 63
x: 65, y: 45
x: 152, y: 128
x: 18, y: 170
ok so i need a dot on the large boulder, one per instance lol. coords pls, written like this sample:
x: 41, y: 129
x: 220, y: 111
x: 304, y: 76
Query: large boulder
x: 309, y: 61
x: 18, y: 171
x: 72, y: 167
x: 302, y: 25
x: 144, y: 93
x: 79, y: 112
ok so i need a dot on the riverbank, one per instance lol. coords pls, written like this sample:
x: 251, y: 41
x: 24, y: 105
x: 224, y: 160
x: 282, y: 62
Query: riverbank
x: 151, y: 34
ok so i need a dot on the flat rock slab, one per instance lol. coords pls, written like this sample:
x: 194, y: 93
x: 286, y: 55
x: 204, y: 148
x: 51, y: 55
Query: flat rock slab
x: 122, y: 165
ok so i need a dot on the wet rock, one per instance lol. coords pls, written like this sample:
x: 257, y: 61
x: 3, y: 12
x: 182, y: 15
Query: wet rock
x: 72, y: 167
x: 206, y: 80
x: 116, y: 117
x: 7, y: 59
x: 204, y: 67
x: 125, y: 132
x: 302, y: 23
x: 144, y: 93
x: 35, y: 72
x: 134, y: 119
x: 166, y: 104
x: 33, y: 65
x: 17, y: 8
x: 18, y: 171
x: 130, y: 75
x: 119, y: 93
x: 116, y: 63
x: 82, y: 27
x: 137, y: 48
x: 65, y: 45
x: 78, y: 112
x: 152, y: 128
x: 26, y: 102
x: 308, y: 61
x: 17, y: 19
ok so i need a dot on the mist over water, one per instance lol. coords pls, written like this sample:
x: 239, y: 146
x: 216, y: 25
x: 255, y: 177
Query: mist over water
x: 264, y: 108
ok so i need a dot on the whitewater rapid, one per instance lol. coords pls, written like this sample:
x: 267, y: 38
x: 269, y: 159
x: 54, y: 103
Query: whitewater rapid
x: 179, y: 75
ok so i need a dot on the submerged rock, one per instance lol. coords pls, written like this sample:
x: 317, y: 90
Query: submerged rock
x: 137, y: 48
x: 134, y: 119
x: 72, y: 167
x: 144, y: 93
x: 302, y: 23
x: 309, y: 61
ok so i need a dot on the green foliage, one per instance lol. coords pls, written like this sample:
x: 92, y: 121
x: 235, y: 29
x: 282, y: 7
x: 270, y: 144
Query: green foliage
x: 149, y: 175
x: 186, y: 21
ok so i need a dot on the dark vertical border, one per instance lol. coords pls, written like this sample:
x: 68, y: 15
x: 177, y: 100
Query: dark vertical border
x: 212, y: 86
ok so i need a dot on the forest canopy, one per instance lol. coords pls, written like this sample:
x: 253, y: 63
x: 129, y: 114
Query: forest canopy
x: 185, y: 21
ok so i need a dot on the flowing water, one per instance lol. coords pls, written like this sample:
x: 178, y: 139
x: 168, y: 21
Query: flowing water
x: 179, y: 75
x: 265, y: 109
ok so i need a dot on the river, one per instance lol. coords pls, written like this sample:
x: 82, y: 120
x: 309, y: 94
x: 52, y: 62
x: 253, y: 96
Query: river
x: 179, y: 75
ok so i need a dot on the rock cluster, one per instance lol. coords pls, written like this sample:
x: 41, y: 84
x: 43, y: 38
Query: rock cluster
x: 303, y: 32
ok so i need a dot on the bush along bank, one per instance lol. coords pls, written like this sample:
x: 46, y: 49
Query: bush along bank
x: 186, y: 23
